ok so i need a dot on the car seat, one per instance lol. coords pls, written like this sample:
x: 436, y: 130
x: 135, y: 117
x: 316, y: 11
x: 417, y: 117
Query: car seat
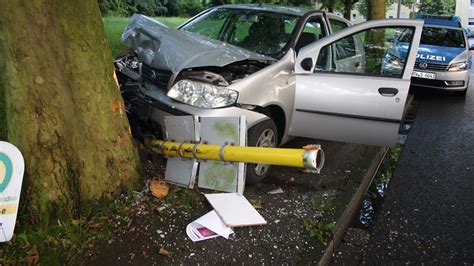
x: 264, y: 36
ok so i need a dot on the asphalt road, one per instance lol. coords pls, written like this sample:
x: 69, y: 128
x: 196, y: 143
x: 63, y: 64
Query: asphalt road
x: 428, y: 211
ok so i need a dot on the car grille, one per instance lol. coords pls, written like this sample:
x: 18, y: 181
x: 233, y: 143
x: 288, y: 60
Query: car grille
x: 158, y: 77
x: 432, y: 82
x: 431, y: 66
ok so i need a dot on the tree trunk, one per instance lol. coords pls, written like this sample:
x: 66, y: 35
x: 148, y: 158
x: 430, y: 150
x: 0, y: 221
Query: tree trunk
x: 64, y: 110
x: 348, y: 5
x: 375, y: 9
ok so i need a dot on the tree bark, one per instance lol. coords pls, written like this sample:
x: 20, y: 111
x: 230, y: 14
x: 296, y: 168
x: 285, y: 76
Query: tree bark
x: 63, y: 107
x: 375, y: 9
x: 348, y: 5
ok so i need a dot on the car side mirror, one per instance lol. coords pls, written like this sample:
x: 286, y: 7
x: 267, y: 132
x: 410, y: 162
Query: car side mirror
x: 307, y: 64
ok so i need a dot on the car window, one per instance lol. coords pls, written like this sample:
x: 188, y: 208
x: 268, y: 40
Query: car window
x: 405, y: 36
x: 263, y: 32
x: 209, y: 25
x: 315, y: 26
x: 241, y: 30
x: 443, y: 37
x: 267, y: 34
x: 380, y: 54
x: 337, y: 25
x: 345, y: 48
x: 313, y: 30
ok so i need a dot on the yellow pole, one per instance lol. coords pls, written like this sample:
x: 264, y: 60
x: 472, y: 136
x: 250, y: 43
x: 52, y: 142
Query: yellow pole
x: 310, y: 157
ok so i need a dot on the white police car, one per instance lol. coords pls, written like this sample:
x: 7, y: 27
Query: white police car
x: 443, y: 60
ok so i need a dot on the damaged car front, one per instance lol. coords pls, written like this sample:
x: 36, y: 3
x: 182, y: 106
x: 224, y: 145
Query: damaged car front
x: 289, y: 71
x: 226, y: 61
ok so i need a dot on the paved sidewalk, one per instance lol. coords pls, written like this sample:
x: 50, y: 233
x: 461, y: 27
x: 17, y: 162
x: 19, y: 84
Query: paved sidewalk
x: 428, y: 212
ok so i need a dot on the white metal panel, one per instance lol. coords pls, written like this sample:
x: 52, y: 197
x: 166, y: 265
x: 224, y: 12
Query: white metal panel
x: 218, y: 175
x: 178, y: 170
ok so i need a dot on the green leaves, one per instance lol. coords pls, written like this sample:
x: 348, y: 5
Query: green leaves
x: 437, y: 7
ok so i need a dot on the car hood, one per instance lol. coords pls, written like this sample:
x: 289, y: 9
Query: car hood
x: 165, y: 48
x: 435, y: 54
x: 438, y: 54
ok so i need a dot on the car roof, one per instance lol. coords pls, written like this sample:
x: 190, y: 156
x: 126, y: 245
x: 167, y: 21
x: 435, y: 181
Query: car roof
x: 450, y: 21
x: 296, y: 11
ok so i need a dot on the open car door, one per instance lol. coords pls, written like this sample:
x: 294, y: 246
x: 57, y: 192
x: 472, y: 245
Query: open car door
x: 358, y: 103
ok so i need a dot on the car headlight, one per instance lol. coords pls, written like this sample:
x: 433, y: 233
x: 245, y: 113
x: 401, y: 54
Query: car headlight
x: 458, y: 66
x: 201, y: 94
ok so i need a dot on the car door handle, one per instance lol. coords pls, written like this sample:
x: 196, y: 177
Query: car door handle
x: 388, y: 92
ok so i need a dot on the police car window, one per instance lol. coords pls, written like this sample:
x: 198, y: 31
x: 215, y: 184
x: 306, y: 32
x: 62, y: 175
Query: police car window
x: 442, y: 37
x: 377, y: 52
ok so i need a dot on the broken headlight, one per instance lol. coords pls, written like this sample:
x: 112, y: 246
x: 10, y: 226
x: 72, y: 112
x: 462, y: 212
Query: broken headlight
x: 203, y: 95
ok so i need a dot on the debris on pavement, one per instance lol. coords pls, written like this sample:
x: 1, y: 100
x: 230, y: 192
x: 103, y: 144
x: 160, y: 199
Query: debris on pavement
x: 257, y: 204
x: 275, y: 191
x: 208, y: 226
x: 159, y: 189
x: 164, y: 252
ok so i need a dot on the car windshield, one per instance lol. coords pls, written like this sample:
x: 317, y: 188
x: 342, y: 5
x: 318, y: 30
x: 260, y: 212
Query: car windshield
x: 443, y: 37
x: 263, y: 32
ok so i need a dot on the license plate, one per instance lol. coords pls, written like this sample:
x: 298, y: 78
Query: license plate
x: 424, y: 75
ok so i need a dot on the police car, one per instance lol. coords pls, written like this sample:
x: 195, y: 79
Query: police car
x: 443, y: 60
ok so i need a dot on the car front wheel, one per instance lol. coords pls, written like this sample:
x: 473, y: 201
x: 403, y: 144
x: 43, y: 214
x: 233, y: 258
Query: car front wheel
x: 263, y: 135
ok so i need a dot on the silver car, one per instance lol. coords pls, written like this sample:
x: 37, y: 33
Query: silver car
x: 290, y: 71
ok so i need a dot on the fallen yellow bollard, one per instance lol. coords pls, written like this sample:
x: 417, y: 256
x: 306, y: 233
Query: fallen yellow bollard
x: 310, y: 157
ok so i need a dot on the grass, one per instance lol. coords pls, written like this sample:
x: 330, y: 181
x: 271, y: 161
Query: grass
x: 321, y: 228
x: 114, y: 27
x: 60, y: 242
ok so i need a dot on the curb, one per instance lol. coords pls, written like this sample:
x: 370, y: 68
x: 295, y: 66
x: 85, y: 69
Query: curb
x: 352, y: 207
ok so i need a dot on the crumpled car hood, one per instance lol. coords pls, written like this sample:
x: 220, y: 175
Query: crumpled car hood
x: 170, y: 49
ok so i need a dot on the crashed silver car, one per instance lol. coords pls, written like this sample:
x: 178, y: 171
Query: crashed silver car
x: 290, y: 71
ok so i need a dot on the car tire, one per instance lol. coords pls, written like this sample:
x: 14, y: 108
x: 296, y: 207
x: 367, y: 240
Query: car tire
x: 264, y: 134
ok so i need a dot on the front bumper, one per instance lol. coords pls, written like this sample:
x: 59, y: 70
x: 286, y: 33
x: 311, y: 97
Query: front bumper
x: 153, y: 104
x: 444, y: 80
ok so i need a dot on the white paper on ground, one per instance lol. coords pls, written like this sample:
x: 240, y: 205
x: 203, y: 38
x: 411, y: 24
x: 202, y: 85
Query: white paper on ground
x: 235, y: 210
x: 208, y: 226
